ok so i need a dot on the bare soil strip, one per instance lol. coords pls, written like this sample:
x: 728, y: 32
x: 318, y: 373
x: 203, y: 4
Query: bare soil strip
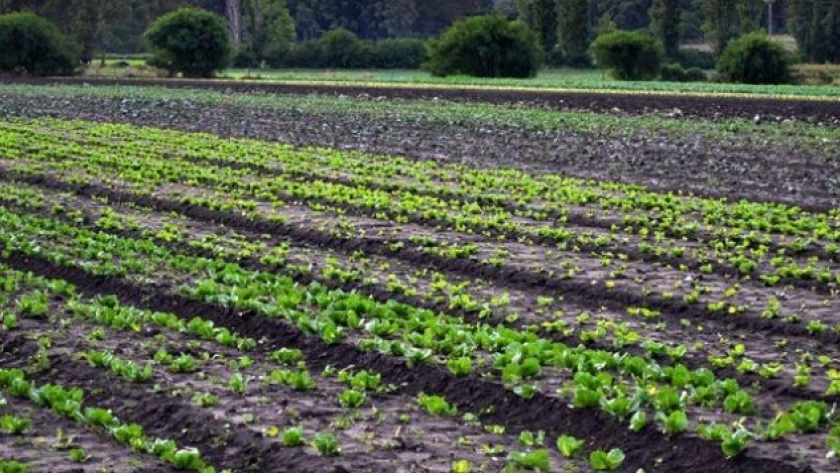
x: 699, y: 106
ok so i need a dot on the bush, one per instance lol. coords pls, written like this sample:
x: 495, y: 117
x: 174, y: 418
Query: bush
x: 754, y: 59
x: 676, y: 73
x: 32, y: 45
x: 399, y: 53
x: 486, y: 46
x: 192, y: 41
x: 306, y: 54
x: 695, y: 74
x: 629, y: 55
x: 672, y: 73
x: 341, y: 49
x: 690, y: 58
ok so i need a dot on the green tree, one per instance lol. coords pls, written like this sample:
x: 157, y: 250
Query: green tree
x: 665, y: 23
x: 486, y: 46
x: 268, y: 31
x: 750, y: 14
x: 340, y: 48
x: 815, y: 25
x: 629, y: 55
x: 191, y: 41
x: 90, y: 23
x: 831, y: 30
x: 721, y: 24
x: 398, y: 17
x: 574, y: 31
x: 627, y: 14
x: 541, y: 17
x: 605, y: 25
x: 754, y: 59
x: 33, y: 45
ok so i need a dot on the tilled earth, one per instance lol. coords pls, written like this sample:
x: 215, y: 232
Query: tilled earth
x: 749, y: 167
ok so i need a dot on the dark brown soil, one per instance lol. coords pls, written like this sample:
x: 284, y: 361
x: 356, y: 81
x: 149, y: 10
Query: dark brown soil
x: 825, y: 111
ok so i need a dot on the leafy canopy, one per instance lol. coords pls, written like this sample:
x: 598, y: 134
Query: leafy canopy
x: 629, y: 55
x: 192, y: 41
x: 755, y: 59
x: 32, y: 45
x: 486, y: 46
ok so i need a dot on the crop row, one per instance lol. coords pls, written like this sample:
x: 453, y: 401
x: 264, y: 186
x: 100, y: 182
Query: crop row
x: 723, y: 300
x: 322, y: 414
x: 646, y: 395
x: 249, y: 290
x: 387, y: 278
x: 737, y: 251
x: 720, y: 290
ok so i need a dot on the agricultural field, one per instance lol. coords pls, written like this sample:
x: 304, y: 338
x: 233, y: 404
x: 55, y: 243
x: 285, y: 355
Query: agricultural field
x: 211, y: 280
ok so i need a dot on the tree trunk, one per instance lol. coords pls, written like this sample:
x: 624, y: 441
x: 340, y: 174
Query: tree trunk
x: 234, y: 14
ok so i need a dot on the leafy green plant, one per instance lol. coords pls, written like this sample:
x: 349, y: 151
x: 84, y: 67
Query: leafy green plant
x: 287, y: 356
x: 205, y: 399
x: 531, y: 439
x: 101, y: 417
x: 536, y: 460
x: 238, y: 383
x: 14, y: 425
x: 674, y: 423
x: 739, y: 402
x: 352, y: 398
x: 9, y: 320
x: 602, y: 461
x: 12, y: 466
x: 184, y: 364
x: 326, y: 444
x: 436, y: 405
x: 569, y: 446
x: 298, y: 380
x: 78, y: 455
x: 638, y: 421
x: 461, y: 366
x: 185, y: 459
x: 292, y: 437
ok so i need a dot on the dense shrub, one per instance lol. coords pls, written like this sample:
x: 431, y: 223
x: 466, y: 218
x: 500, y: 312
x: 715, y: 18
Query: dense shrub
x: 342, y: 49
x: 754, y: 59
x: 32, y: 45
x: 192, y: 41
x: 676, y: 73
x: 695, y: 74
x: 306, y: 54
x: 398, y: 53
x: 691, y: 58
x: 629, y: 55
x: 486, y: 46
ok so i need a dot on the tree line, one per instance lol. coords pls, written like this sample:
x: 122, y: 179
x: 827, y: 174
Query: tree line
x: 565, y: 27
x: 118, y: 25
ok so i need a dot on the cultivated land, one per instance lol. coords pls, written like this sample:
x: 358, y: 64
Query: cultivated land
x: 203, y: 279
